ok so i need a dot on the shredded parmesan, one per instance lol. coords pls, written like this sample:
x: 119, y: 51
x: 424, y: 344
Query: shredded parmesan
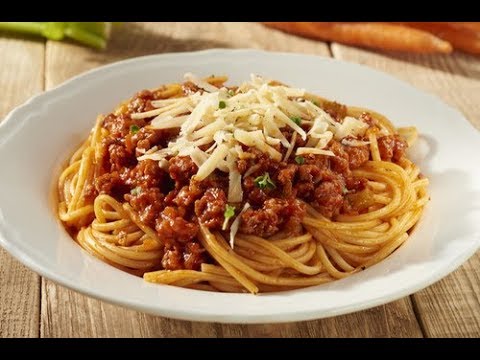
x: 236, y: 225
x: 214, y: 125
x: 202, y: 84
x: 306, y: 150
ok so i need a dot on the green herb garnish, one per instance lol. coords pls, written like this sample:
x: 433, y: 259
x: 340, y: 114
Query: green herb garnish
x: 345, y: 191
x: 297, y: 120
x: 134, y: 129
x: 136, y: 191
x: 299, y: 160
x: 228, y: 214
x: 222, y: 105
x: 231, y: 92
x: 264, y: 182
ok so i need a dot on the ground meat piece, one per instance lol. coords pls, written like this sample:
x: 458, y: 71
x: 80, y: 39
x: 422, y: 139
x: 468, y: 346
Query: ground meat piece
x: 254, y: 195
x: 119, y: 126
x: 172, y: 227
x: 141, y: 102
x: 335, y: 110
x: 272, y: 217
x: 392, y: 147
x: 189, y: 257
x: 262, y: 162
x: 355, y: 184
x: 357, y: 155
x: 181, y: 170
x: 309, y: 173
x: 189, y: 88
x: 193, y: 256
x: 147, y: 203
x: 210, y: 208
x: 172, y: 258
x: 187, y: 196
x: 329, y: 197
x: 340, y: 162
x: 242, y: 166
x: 146, y: 174
x: 111, y: 184
x: 90, y: 193
x: 119, y: 157
x: 286, y: 177
x: 304, y: 190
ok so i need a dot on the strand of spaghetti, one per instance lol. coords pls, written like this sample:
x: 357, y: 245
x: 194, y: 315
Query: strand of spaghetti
x: 227, y: 287
x: 339, y: 260
x: 285, y: 258
x: 134, y: 217
x: 129, y: 238
x: 287, y: 243
x: 355, y: 249
x: 210, y: 243
x: 113, y: 254
x: 233, y: 260
x: 203, y: 287
x: 63, y: 183
x: 257, y: 265
x: 109, y: 226
x: 70, y: 216
x: 374, y: 151
x: 77, y: 155
x: 83, y: 172
x: 90, y: 247
x: 332, y: 271
x: 387, y: 250
x: 185, y: 277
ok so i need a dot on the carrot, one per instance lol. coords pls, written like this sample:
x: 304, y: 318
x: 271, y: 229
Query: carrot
x: 385, y: 36
x: 460, y: 37
x: 473, y: 26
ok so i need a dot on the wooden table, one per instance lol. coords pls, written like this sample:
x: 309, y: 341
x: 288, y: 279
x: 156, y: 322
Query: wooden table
x: 32, y: 306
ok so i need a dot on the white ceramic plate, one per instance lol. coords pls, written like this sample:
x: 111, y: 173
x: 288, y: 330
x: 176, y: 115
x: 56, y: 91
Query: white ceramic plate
x: 38, y: 136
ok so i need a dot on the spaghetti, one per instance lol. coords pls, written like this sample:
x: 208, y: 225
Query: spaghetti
x: 255, y: 188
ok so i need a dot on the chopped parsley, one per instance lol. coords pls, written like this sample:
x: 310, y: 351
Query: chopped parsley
x: 134, y: 129
x: 345, y: 191
x: 231, y: 92
x: 136, y: 191
x: 222, y: 105
x: 315, y: 103
x: 228, y: 214
x: 264, y: 182
x: 299, y: 160
x: 297, y: 120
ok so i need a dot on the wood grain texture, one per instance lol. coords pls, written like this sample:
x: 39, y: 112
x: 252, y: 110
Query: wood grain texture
x: 451, y: 307
x: 66, y: 313
x: 21, y: 76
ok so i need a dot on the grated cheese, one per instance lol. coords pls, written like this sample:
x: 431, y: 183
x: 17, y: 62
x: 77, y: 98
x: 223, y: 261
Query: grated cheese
x: 214, y: 126
x: 236, y: 225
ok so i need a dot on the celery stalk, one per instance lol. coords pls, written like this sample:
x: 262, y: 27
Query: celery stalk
x: 34, y: 28
x: 94, y: 34
x: 85, y: 37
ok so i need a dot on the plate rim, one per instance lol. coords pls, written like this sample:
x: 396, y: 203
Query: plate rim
x: 184, y: 314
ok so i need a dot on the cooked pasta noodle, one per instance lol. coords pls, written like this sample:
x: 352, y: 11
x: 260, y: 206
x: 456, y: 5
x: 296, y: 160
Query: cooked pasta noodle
x: 133, y: 194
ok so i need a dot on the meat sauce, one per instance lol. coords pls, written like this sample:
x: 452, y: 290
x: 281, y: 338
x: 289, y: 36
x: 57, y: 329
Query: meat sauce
x: 173, y: 204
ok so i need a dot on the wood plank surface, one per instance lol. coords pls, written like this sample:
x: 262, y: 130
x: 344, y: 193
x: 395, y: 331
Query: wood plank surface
x: 66, y: 313
x: 451, y: 307
x: 21, y: 76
